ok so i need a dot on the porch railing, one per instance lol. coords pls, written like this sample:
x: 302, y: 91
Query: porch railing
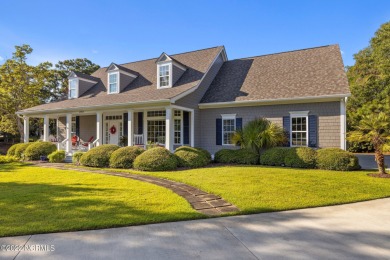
x: 138, y: 139
x: 62, y: 145
x: 93, y: 144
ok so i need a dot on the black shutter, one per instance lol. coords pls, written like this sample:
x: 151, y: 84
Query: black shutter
x: 219, y: 131
x: 313, y: 130
x: 286, y: 127
x: 238, y: 124
x: 125, y: 123
x: 140, y: 123
x: 78, y: 126
x: 186, y: 127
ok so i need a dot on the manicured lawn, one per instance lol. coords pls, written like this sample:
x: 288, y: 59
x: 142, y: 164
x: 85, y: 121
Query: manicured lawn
x: 263, y: 189
x: 38, y: 200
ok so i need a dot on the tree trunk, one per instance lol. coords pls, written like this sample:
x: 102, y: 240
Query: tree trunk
x: 380, y: 160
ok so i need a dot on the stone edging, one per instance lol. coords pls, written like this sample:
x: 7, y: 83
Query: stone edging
x: 201, y: 201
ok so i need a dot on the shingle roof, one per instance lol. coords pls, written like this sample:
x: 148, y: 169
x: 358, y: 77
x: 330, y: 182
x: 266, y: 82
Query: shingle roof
x: 295, y: 74
x: 144, y: 87
x: 85, y: 76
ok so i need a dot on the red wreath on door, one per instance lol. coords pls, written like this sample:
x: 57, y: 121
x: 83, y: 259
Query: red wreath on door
x: 113, y: 129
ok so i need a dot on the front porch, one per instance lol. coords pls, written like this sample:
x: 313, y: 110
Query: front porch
x: 170, y: 127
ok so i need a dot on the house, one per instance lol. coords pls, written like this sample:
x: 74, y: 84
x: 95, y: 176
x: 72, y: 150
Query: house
x: 200, y: 98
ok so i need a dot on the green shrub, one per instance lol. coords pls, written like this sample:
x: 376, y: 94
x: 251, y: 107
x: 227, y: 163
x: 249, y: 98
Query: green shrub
x: 125, y: 156
x: 7, y: 159
x: 274, y: 156
x: 20, y: 149
x: 241, y: 156
x: 37, y: 149
x: 76, y: 157
x: 337, y: 159
x: 300, y: 157
x: 156, y: 159
x: 12, y: 149
x: 98, y: 156
x: 192, y: 157
x: 57, y: 156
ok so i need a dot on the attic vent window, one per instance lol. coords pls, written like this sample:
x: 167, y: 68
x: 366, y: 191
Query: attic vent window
x: 73, y: 88
x: 164, y: 74
x: 113, y: 83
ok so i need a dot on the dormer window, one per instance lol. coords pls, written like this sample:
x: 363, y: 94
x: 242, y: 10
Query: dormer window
x: 73, y: 87
x: 164, y: 75
x: 113, y: 82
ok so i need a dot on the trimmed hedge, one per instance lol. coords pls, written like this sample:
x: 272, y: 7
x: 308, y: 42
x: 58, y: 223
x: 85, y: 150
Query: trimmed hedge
x: 37, y: 149
x: 57, y: 156
x: 98, y: 156
x: 124, y: 157
x: 76, y: 157
x: 7, y: 159
x: 240, y: 156
x: 337, y: 160
x: 156, y: 159
x: 300, y: 157
x: 12, y: 149
x: 20, y: 149
x: 274, y: 156
x: 192, y: 157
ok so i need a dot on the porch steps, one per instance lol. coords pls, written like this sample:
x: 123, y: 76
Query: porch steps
x: 68, y: 159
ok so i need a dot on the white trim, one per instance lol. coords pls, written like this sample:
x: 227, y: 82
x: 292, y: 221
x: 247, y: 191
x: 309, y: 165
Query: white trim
x: 343, y: 123
x: 46, y: 128
x: 118, y: 82
x: 99, y: 124
x: 130, y: 127
x: 181, y: 126
x: 192, y: 141
x: 279, y: 101
x: 26, y: 129
x: 170, y: 74
x: 185, y: 93
x: 77, y: 88
x: 68, y: 139
x: 104, y: 121
x: 296, y: 114
x: 228, y: 117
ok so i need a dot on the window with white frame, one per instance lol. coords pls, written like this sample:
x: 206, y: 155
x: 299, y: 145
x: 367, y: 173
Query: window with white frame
x: 164, y: 75
x: 299, y: 128
x: 73, y: 126
x: 113, y: 83
x: 156, y: 131
x: 73, y: 88
x: 228, y: 128
x: 177, y: 126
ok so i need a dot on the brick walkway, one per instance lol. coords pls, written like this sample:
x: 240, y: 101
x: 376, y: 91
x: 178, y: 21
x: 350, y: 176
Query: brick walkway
x: 201, y: 201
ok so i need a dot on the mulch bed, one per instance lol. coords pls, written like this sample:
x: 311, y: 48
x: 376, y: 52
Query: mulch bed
x: 378, y: 175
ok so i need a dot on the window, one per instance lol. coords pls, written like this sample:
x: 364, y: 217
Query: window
x: 164, y: 76
x: 228, y: 128
x: 156, y: 131
x: 73, y: 88
x: 157, y: 113
x: 113, y: 79
x: 177, y: 127
x: 73, y: 127
x: 299, y: 127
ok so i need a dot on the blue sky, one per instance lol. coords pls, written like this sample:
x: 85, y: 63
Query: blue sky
x: 123, y: 31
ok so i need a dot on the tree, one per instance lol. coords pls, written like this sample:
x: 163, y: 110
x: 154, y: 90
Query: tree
x: 373, y: 127
x: 21, y: 86
x: 59, y: 81
x: 259, y: 134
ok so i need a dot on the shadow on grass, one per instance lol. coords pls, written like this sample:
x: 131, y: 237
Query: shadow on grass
x: 11, y: 167
x: 40, y: 208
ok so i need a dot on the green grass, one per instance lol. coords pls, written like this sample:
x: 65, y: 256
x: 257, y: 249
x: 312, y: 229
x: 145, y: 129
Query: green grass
x: 256, y: 189
x: 40, y: 200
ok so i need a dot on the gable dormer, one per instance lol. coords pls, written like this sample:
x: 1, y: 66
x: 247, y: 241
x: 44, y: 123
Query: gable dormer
x: 169, y: 71
x: 118, y: 78
x: 79, y: 83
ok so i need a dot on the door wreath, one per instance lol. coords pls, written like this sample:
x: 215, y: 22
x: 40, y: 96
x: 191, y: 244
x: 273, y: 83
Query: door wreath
x: 113, y: 129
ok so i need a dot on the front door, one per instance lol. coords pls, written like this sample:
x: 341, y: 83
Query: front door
x: 113, y: 130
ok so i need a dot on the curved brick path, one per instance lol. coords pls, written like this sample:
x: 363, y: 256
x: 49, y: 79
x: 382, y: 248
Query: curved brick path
x: 201, y: 201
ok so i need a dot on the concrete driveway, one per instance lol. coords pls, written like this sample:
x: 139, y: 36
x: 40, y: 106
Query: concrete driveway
x: 352, y: 231
x: 367, y: 160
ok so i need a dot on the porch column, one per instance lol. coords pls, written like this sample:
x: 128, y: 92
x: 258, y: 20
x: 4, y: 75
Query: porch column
x: 26, y: 129
x: 192, y: 141
x: 169, y: 129
x: 130, y: 127
x: 99, y: 123
x: 46, y: 128
x: 68, y: 147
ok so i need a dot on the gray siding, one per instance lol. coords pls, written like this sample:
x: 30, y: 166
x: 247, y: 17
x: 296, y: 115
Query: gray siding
x: 192, y: 100
x: 84, y: 86
x: 328, y: 121
x: 87, y: 127
x: 176, y: 73
x: 61, y: 129
x: 125, y: 80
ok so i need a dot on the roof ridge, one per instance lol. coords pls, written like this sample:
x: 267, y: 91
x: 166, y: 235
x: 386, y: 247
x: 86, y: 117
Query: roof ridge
x: 283, y: 52
x: 168, y: 55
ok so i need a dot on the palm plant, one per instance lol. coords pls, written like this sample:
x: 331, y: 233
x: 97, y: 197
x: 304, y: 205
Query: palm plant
x: 374, y: 128
x: 259, y: 134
